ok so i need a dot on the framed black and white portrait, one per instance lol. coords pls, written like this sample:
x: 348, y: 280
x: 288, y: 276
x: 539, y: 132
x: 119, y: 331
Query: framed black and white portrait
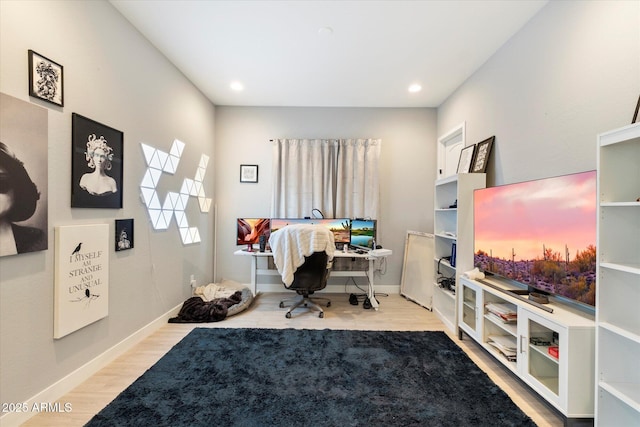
x: 124, y: 234
x: 46, y: 79
x: 23, y: 177
x: 97, y: 162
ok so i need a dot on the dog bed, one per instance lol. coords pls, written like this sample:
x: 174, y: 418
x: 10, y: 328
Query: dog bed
x: 215, y: 302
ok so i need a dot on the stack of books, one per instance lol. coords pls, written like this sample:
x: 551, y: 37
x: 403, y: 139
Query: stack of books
x: 502, y: 312
x: 506, y: 345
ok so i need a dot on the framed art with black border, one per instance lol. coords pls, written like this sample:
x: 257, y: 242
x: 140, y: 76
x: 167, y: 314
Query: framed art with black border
x: 466, y: 159
x: 481, y: 158
x: 124, y: 234
x: 46, y: 79
x: 97, y: 163
x: 248, y: 173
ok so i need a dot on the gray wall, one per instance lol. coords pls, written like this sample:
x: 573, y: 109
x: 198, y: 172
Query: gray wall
x: 407, y: 165
x: 572, y: 72
x: 114, y: 76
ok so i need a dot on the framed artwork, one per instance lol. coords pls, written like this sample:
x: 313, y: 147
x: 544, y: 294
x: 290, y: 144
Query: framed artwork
x: 635, y: 115
x: 248, y: 173
x: 45, y: 79
x: 124, y: 234
x: 481, y: 158
x: 23, y: 176
x: 81, y: 285
x: 466, y: 159
x: 97, y: 162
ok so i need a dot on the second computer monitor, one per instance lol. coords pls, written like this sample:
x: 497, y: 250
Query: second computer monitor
x: 363, y: 232
x: 339, y: 227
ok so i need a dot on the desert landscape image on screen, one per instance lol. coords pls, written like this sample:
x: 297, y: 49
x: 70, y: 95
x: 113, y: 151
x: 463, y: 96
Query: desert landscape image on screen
x: 540, y: 233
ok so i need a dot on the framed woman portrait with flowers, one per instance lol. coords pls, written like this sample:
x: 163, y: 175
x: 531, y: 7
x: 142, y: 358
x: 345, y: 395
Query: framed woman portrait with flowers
x: 97, y: 156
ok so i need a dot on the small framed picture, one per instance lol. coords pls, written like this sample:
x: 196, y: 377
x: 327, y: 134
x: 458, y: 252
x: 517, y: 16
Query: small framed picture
x: 124, y: 234
x: 466, y: 159
x: 481, y: 158
x: 45, y: 79
x: 248, y: 173
x: 97, y: 163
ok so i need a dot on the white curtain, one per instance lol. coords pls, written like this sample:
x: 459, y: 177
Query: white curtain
x: 339, y: 177
x: 357, y: 192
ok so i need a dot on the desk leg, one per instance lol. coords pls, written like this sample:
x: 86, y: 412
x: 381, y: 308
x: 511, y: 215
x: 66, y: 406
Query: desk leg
x: 372, y: 292
x: 254, y: 274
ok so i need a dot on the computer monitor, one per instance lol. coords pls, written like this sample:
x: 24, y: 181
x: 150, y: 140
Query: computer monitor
x: 250, y: 230
x: 339, y: 227
x: 363, y: 232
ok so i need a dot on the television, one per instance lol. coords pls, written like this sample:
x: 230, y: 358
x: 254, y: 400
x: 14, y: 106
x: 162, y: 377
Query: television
x: 540, y: 234
x: 363, y: 232
x: 339, y: 227
x: 250, y: 230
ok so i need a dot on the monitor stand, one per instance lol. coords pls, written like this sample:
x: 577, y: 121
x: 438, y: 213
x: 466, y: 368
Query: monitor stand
x: 249, y: 248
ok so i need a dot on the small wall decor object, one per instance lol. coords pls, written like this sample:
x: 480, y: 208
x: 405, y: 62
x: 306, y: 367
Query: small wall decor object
x: 45, y: 79
x: 481, y: 157
x: 466, y: 159
x: 96, y: 178
x: 635, y: 114
x: 124, y: 234
x: 23, y: 177
x: 81, y: 277
x: 248, y: 173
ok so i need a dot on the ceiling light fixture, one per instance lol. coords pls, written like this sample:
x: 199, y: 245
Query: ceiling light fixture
x: 325, y: 31
x: 237, y: 86
x: 415, y: 88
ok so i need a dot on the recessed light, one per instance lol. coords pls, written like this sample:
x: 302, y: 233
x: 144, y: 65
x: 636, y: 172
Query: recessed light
x: 237, y: 86
x: 415, y: 88
x: 325, y: 31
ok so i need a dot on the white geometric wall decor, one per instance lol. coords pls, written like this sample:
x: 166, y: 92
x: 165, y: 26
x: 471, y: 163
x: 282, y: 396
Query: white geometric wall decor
x: 160, y: 213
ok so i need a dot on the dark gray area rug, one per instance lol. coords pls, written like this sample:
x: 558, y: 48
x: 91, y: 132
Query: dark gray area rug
x: 288, y: 377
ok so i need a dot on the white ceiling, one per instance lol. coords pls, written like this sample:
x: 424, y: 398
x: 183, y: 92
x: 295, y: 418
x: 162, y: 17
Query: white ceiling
x: 282, y: 54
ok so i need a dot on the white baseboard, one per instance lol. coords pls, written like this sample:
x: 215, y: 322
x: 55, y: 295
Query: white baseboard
x: 63, y: 386
x: 334, y: 289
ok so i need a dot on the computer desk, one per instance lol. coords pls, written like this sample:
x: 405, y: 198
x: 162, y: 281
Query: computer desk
x: 371, y: 256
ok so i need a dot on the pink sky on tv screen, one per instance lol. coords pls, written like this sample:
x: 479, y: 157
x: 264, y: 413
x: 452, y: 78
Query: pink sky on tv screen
x: 520, y: 218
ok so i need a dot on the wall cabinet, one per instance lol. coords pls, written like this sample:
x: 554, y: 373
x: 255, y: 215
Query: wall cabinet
x: 453, y: 225
x: 618, y: 283
x: 551, y: 352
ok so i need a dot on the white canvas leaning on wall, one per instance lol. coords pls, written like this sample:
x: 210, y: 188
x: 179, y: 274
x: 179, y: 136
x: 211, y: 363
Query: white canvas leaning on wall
x: 81, y: 276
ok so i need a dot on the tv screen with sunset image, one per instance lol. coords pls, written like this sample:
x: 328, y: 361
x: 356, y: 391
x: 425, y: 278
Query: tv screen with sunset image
x: 540, y: 233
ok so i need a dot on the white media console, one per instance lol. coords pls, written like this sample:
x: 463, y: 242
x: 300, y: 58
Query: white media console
x: 563, y: 374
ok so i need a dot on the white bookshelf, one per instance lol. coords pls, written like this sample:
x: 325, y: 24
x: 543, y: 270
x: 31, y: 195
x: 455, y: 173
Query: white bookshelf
x: 453, y: 225
x: 618, y: 285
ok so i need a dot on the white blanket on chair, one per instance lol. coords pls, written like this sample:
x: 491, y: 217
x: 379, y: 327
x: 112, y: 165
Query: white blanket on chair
x: 292, y: 243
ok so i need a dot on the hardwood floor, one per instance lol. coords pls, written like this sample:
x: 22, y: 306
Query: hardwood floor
x: 395, y: 313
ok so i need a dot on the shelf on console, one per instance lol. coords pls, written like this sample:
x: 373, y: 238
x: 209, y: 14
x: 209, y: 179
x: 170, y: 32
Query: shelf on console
x: 629, y: 393
x: 620, y: 331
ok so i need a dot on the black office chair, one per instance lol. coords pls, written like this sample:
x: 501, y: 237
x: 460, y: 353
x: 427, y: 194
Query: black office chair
x: 309, y: 277
x: 310, y: 248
